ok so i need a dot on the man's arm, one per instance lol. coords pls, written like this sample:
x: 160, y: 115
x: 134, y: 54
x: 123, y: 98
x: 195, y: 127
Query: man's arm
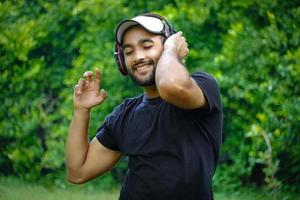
x: 86, y: 160
x: 173, y: 80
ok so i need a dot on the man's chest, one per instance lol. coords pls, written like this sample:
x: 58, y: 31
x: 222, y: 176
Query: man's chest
x: 148, y: 130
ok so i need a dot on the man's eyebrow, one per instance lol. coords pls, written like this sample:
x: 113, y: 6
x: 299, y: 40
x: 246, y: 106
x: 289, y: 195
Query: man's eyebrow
x: 146, y: 40
x: 126, y: 46
x: 142, y: 41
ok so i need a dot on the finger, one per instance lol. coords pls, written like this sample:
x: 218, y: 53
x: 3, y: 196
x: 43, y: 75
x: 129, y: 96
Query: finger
x: 186, y: 51
x: 185, y: 45
x: 179, y: 33
x: 102, y: 95
x: 75, y: 89
x: 88, y: 75
x: 183, y: 51
x: 81, y: 84
x: 98, y: 75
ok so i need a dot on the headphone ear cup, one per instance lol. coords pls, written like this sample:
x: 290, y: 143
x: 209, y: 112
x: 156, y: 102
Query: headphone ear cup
x: 119, y: 57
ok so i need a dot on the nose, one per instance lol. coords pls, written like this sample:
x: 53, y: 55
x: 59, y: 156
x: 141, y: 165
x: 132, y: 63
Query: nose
x: 138, y: 56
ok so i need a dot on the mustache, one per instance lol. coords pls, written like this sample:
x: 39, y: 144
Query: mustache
x: 140, y: 63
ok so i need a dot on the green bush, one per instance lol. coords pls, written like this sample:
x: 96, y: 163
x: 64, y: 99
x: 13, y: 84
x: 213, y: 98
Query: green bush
x: 251, y: 47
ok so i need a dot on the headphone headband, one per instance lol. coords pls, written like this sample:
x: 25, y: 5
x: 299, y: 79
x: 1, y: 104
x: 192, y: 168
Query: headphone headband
x: 166, y: 22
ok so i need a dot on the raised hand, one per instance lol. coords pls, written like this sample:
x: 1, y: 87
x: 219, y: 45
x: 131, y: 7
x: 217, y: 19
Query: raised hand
x: 87, y: 93
x: 178, y: 43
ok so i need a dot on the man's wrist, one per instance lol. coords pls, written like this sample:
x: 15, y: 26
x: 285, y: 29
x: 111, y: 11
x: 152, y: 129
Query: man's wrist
x: 79, y: 109
x: 170, y: 51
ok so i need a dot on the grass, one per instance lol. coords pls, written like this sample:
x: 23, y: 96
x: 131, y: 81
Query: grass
x: 14, y: 189
x: 255, y: 194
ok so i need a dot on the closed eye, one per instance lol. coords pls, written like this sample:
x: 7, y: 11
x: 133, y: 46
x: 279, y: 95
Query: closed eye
x: 127, y: 53
x: 148, y: 46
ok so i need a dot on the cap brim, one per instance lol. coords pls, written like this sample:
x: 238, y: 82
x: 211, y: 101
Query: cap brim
x: 151, y: 24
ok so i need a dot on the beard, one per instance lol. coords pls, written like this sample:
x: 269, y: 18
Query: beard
x: 148, y: 80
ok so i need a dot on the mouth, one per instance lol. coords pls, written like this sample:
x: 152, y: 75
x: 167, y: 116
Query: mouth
x: 142, y: 66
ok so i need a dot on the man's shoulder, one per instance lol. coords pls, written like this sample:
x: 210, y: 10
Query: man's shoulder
x: 205, y: 75
x: 129, y: 102
x: 133, y: 100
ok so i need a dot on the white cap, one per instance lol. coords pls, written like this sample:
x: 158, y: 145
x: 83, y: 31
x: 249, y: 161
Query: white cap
x: 151, y: 24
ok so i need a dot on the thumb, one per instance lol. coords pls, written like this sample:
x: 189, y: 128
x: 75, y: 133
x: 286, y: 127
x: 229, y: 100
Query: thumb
x: 179, y: 33
x: 102, y: 95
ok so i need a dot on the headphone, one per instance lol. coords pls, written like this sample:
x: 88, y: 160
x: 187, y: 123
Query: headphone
x: 167, y: 31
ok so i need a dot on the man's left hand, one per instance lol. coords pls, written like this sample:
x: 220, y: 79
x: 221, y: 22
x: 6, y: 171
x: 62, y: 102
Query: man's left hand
x: 178, y: 43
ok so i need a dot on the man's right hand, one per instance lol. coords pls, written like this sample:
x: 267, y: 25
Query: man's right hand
x: 87, y: 93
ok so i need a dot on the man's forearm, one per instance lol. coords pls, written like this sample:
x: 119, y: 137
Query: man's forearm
x: 171, y: 75
x: 77, y: 142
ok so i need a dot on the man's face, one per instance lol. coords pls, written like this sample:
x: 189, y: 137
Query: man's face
x: 142, y: 51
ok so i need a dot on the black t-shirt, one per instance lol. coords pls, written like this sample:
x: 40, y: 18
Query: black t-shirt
x: 172, y: 152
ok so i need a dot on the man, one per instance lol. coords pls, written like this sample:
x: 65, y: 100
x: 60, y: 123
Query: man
x: 171, y: 133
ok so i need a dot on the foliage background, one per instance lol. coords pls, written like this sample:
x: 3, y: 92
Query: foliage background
x: 250, y: 47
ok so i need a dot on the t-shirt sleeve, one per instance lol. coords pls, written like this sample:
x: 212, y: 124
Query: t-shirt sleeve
x: 209, y: 88
x: 106, y: 133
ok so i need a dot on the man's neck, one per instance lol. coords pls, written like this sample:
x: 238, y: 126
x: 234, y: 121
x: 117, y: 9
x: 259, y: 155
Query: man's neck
x: 151, y: 91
